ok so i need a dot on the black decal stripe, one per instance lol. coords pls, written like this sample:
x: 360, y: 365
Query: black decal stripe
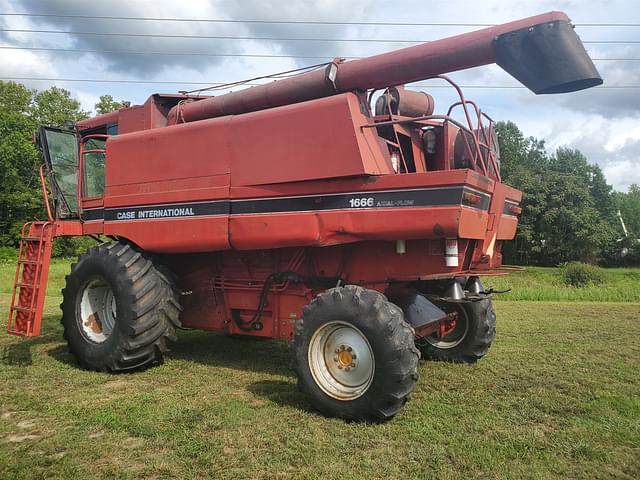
x: 341, y: 201
x: 168, y: 210
x: 409, y: 198
x: 92, y: 214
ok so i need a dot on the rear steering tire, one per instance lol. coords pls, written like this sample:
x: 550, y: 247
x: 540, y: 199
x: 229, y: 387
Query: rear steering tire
x: 119, y: 311
x: 470, y: 341
x: 354, y: 355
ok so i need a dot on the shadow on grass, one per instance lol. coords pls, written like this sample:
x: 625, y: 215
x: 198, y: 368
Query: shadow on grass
x: 246, y: 354
x: 18, y: 354
x: 206, y: 348
x: 282, y: 393
x: 62, y: 354
x: 236, y: 352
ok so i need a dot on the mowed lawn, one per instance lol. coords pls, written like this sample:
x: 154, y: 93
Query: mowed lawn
x: 558, y: 396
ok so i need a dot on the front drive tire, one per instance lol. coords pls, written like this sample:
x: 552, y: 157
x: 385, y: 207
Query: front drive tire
x: 470, y: 341
x: 354, y: 355
x: 118, y: 310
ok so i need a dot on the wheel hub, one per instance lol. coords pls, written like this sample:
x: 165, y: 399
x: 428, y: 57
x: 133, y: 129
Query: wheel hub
x: 455, y: 334
x: 345, y: 358
x: 97, y: 310
x: 341, y: 360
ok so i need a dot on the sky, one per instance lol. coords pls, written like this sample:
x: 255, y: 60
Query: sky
x: 603, y: 123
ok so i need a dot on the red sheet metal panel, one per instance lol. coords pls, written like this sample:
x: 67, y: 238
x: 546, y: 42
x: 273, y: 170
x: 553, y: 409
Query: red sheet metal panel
x: 166, y: 191
x: 182, y: 151
x: 302, y: 142
x: 174, y: 235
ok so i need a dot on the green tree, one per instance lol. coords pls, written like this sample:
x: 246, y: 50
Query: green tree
x: 568, y: 208
x: 108, y: 104
x: 522, y: 161
x: 571, y: 225
x: 18, y: 161
x: 21, y: 111
x: 56, y: 108
x: 629, y: 205
x: 573, y: 162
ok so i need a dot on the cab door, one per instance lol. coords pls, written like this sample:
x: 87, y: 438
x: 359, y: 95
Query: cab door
x: 60, y: 150
x: 91, y: 182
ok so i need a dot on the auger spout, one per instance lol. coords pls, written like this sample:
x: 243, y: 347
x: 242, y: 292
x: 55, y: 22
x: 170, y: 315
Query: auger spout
x: 542, y: 52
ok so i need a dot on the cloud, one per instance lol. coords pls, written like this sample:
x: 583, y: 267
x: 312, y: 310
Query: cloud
x: 612, y: 144
x: 170, y: 47
x: 609, y: 102
x: 596, y: 121
x: 26, y: 64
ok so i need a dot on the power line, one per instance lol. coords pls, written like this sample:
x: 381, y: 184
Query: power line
x: 282, y: 39
x: 183, y: 82
x: 198, y: 54
x: 290, y: 22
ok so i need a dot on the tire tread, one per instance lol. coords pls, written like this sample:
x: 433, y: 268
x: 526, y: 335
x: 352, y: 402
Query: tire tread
x: 401, y: 358
x: 153, y: 309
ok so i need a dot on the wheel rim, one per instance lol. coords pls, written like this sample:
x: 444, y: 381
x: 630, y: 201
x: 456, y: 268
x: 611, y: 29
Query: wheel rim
x: 341, y: 360
x: 456, y: 337
x: 97, y: 310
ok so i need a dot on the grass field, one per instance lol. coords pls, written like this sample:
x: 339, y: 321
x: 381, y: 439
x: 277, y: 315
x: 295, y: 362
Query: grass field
x: 543, y: 283
x: 558, y: 396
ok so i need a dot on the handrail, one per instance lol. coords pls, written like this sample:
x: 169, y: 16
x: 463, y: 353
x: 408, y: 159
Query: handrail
x: 46, y: 195
x: 477, y: 157
x: 416, y: 120
x: 11, y: 320
x: 463, y: 103
x: 488, y: 141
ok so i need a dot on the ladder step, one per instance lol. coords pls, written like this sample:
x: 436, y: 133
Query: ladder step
x: 27, y: 300
x: 18, y: 308
x: 18, y: 333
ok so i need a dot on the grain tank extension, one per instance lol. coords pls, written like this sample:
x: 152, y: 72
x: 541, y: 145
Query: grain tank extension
x: 334, y: 209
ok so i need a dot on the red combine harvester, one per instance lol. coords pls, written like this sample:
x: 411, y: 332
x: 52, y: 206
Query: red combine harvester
x: 296, y: 210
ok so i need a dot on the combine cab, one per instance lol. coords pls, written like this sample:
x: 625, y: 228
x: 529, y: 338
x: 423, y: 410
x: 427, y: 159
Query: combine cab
x: 333, y: 209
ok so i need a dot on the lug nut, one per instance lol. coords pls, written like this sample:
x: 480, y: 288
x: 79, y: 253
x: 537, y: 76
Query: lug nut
x: 347, y: 369
x: 335, y: 359
x: 354, y: 356
x: 352, y: 365
x: 337, y: 350
x: 349, y: 349
x: 340, y: 366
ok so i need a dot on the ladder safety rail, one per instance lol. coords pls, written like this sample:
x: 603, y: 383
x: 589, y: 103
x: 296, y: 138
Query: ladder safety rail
x: 30, y: 280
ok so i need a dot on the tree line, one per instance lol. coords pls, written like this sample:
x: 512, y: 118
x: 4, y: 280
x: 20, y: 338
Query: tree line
x: 569, y: 210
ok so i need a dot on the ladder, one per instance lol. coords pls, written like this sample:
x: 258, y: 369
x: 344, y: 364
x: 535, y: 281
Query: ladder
x: 30, y: 281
